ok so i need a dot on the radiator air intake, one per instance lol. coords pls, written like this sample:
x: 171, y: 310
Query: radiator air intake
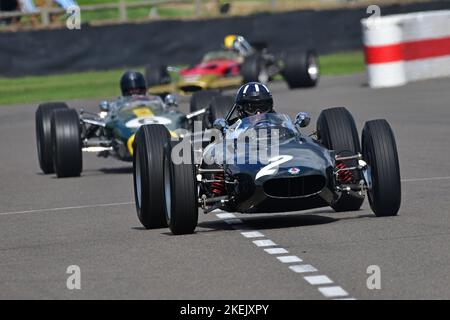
x: 293, y: 187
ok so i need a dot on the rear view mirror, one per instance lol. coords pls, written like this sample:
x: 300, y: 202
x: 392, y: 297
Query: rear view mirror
x: 219, y: 124
x: 302, y: 119
x: 170, y: 101
x: 104, y: 106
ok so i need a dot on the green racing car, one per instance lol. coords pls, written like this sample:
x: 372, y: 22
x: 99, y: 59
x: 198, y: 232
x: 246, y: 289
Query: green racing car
x: 63, y: 133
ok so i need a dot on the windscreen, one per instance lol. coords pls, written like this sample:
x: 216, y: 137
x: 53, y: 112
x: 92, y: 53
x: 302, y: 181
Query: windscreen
x: 263, y: 126
x: 155, y: 104
x: 220, y: 55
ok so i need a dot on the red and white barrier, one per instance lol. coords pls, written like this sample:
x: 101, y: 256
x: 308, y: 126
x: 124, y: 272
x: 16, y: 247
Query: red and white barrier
x: 406, y: 47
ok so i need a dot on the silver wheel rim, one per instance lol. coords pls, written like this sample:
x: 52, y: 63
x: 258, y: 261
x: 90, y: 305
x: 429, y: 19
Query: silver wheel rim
x: 313, y: 68
x: 138, y: 180
x: 167, y: 189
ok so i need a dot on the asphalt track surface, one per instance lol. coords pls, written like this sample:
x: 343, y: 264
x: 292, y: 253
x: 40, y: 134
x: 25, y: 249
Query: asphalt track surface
x: 47, y: 224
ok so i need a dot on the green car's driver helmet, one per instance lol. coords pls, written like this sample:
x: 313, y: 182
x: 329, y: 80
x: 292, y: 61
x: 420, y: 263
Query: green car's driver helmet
x: 133, y: 83
x: 253, y: 98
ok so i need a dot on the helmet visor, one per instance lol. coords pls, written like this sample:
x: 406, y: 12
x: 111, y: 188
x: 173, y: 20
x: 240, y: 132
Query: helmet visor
x: 257, y: 107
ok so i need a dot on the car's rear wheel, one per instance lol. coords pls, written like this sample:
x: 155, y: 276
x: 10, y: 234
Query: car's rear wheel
x: 337, y: 131
x: 202, y: 99
x: 148, y: 178
x: 301, y: 70
x: 43, y: 117
x: 180, y: 194
x: 67, y: 155
x: 219, y: 108
x: 156, y: 75
x: 380, y: 153
x: 254, y: 69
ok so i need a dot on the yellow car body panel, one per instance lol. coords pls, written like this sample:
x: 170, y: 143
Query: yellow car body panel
x: 130, y: 141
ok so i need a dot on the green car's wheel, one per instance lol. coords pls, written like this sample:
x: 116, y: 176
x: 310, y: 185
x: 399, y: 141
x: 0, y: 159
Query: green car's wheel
x: 43, y: 119
x: 148, y: 174
x: 67, y: 155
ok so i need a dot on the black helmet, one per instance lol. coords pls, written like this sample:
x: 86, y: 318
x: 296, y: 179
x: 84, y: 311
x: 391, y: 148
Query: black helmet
x: 253, y: 98
x: 133, y: 83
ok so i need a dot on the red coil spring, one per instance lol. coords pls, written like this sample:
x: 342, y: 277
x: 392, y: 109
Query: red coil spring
x: 218, y: 188
x: 344, y: 176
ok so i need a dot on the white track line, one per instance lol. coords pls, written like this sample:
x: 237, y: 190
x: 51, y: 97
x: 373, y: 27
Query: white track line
x: 264, y: 243
x: 289, y: 259
x: 252, y: 234
x: 303, y: 268
x: 318, y: 280
x: 225, y: 215
x: 333, y: 292
x: 425, y: 179
x: 67, y: 208
x: 276, y: 250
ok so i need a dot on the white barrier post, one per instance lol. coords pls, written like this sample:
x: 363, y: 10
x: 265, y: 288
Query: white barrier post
x: 382, y: 35
x: 406, y: 47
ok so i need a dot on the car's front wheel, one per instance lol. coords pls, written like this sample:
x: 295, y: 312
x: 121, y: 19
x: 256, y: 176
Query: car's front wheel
x: 67, y: 145
x: 148, y: 174
x: 180, y: 193
x: 337, y: 131
x: 380, y: 153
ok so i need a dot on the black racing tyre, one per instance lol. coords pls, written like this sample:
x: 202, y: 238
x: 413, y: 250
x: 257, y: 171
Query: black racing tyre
x: 336, y: 129
x: 44, y: 134
x: 301, y: 70
x: 201, y: 99
x: 66, y: 137
x: 180, y: 194
x: 253, y: 69
x: 156, y: 75
x: 219, y: 108
x: 148, y: 174
x: 380, y: 153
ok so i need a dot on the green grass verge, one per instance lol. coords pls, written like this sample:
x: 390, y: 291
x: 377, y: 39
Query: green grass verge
x: 342, y: 63
x: 133, y: 13
x: 98, y: 84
